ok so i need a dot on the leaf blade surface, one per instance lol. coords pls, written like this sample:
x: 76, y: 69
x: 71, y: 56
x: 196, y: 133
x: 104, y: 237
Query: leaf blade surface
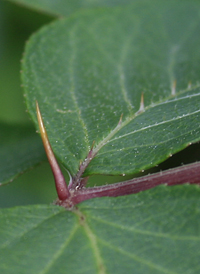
x: 155, y: 231
x: 90, y: 75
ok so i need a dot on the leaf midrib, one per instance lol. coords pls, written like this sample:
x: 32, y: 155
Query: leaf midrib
x: 146, y: 232
x: 108, y: 139
x: 92, y: 238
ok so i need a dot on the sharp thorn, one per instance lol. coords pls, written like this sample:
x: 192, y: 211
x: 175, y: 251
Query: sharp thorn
x: 173, y: 89
x: 141, y: 109
x: 61, y: 187
x: 120, y: 120
x: 189, y: 84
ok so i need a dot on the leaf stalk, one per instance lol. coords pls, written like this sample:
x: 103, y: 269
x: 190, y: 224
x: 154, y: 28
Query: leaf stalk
x: 180, y: 175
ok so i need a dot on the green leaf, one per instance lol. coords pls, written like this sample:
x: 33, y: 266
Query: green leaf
x: 20, y: 149
x: 156, y: 231
x: 65, y: 8
x: 88, y: 70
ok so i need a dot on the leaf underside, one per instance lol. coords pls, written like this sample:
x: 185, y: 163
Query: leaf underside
x: 88, y: 70
x: 156, y: 231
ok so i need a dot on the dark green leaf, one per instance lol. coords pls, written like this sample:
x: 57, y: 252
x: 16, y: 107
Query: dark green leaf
x: 63, y: 7
x: 20, y: 149
x: 88, y: 70
x: 156, y: 231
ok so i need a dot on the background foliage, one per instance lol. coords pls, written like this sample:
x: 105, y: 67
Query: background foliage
x: 16, y: 25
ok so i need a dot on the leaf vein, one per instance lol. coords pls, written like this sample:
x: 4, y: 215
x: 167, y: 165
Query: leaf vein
x: 72, y: 89
x: 146, y: 232
x: 154, y: 125
x: 135, y: 257
x: 59, y: 252
x: 91, y: 236
x: 20, y: 235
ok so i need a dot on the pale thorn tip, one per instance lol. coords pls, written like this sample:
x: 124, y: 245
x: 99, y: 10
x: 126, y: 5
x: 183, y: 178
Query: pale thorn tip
x: 173, y: 88
x: 141, y: 109
x: 189, y: 85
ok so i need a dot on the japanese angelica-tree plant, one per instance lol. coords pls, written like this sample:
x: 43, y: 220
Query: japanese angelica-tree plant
x: 118, y: 91
x: 75, y: 192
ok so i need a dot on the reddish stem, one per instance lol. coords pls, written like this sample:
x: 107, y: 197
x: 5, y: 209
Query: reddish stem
x: 184, y: 174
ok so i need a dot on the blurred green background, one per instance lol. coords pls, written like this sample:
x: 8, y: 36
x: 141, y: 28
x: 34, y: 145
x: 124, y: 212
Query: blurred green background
x: 37, y: 185
x: 16, y: 25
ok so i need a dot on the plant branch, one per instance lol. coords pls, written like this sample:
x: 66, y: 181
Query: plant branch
x: 181, y: 175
